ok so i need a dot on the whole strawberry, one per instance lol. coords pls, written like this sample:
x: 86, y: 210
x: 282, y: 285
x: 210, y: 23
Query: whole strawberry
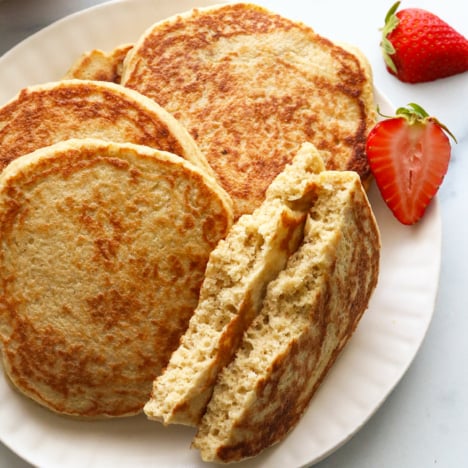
x: 418, y: 46
x: 408, y: 155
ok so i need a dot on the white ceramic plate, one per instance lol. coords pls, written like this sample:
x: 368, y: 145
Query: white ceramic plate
x: 373, y: 362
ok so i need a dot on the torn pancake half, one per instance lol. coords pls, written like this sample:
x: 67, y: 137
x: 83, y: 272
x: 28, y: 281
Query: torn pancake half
x: 309, y: 313
x: 251, y: 86
x: 238, y: 271
x: 103, y: 251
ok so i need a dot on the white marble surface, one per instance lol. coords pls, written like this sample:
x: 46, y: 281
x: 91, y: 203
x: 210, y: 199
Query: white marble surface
x: 424, y: 422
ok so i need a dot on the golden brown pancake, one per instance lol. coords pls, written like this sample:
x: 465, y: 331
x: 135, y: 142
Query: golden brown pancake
x: 103, y: 251
x: 99, y: 65
x: 251, y: 86
x: 238, y: 271
x: 309, y: 313
x: 48, y: 113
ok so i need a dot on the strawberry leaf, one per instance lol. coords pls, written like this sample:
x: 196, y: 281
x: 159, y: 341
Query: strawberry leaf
x: 388, y: 50
x: 391, y: 22
x: 389, y: 17
x: 413, y: 113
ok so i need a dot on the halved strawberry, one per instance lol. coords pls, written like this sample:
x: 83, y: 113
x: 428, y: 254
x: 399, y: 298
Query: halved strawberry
x: 409, y: 155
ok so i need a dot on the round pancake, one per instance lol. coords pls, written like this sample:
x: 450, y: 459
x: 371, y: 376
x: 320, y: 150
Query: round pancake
x: 251, y: 87
x: 48, y: 113
x: 103, y: 252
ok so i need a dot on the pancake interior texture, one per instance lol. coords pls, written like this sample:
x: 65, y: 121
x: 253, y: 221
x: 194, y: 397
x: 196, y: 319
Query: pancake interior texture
x: 103, y: 250
x: 238, y: 271
x: 45, y: 114
x: 310, y: 311
x: 251, y: 86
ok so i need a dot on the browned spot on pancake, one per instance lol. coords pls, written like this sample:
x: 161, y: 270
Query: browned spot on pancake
x: 112, y: 308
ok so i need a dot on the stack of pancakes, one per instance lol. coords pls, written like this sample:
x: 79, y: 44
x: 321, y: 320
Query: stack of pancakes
x: 185, y: 228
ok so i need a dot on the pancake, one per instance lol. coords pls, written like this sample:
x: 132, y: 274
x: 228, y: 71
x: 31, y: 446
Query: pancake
x: 48, y: 113
x: 238, y: 271
x: 251, y: 86
x: 309, y: 313
x: 99, y: 65
x: 103, y: 251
